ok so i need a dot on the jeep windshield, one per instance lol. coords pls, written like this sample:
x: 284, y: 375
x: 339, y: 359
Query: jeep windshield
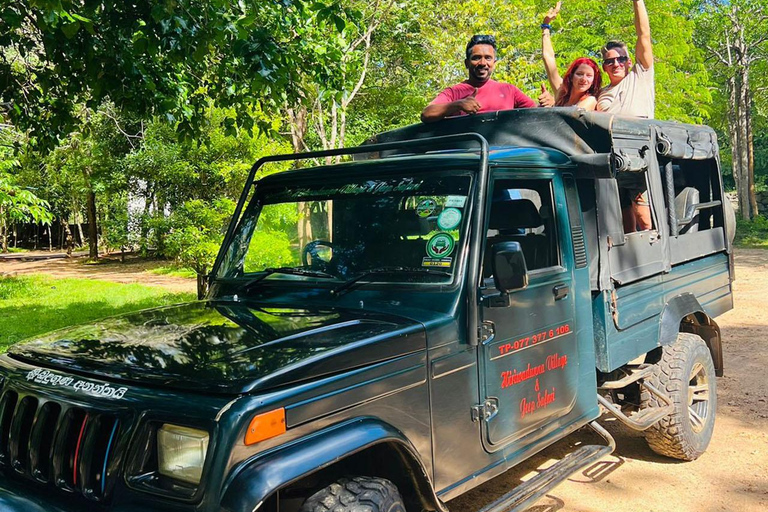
x: 393, y: 228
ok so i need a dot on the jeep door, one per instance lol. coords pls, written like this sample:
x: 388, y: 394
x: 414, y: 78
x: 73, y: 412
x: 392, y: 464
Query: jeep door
x: 528, y: 355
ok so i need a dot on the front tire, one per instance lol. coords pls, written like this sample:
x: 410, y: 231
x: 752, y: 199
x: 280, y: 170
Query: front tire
x: 686, y: 375
x: 357, y: 494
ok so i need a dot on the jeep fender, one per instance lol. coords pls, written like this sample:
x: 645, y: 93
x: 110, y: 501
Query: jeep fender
x: 683, y: 313
x: 260, y: 477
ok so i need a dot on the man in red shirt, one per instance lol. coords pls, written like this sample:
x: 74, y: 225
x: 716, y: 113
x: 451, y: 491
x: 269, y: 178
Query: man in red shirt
x: 479, y: 93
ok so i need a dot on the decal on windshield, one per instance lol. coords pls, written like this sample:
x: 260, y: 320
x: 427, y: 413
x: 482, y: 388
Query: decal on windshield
x: 425, y: 208
x: 99, y: 389
x: 369, y: 187
x: 455, y: 201
x: 436, y: 262
x: 448, y: 219
x: 440, y: 246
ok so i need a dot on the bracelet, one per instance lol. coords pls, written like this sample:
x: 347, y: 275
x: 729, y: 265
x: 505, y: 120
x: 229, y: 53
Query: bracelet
x: 546, y: 26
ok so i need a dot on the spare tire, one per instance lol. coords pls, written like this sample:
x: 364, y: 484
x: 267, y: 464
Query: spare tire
x: 729, y: 216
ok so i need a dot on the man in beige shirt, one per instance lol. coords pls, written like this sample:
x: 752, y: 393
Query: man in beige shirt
x: 631, y: 91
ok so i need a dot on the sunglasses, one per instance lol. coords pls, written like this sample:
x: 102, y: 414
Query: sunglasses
x: 616, y: 61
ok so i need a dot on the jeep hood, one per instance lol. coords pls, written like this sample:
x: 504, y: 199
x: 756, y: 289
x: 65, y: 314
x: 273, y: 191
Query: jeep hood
x: 225, y: 347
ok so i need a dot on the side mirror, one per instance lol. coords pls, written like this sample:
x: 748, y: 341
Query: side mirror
x: 509, y: 270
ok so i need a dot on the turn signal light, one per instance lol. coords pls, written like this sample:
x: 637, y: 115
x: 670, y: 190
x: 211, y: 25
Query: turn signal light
x: 265, y: 426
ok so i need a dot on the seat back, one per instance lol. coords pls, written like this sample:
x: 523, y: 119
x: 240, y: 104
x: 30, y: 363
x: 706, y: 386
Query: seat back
x: 508, y: 223
x: 685, y: 203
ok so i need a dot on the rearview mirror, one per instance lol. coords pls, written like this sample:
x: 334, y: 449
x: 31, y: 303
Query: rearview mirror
x: 509, y: 270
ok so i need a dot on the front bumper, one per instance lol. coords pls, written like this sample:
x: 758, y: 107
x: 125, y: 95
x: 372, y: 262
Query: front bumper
x: 16, y: 496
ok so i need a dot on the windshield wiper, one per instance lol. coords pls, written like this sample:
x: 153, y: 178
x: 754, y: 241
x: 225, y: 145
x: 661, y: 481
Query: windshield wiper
x: 386, y: 270
x: 285, y: 270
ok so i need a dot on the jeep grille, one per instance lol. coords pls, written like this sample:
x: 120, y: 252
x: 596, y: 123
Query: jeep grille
x: 57, y: 444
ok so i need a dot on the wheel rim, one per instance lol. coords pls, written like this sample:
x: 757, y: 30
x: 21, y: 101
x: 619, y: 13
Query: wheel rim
x: 698, y: 397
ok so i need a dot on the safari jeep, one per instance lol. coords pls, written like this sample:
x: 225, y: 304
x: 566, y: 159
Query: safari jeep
x: 386, y: 333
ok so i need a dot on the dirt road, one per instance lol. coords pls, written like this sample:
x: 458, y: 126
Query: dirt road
x: 133, y: 270
x: 731, y: 477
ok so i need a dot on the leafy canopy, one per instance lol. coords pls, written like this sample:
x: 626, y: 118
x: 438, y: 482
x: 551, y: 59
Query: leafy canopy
x: 166, y: 57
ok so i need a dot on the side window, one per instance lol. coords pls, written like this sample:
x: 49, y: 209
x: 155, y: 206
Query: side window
x: 636, y: 211
x: 697, y: 201
x: 522, y: 211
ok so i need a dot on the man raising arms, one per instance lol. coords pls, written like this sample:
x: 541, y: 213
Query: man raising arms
x: 479, y: 93
x: 630, y: 93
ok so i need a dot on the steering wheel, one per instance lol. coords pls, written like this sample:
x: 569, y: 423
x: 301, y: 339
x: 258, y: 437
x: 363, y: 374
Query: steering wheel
x: 310, y: 255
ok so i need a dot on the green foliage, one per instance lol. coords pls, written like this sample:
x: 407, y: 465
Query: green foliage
x: 17, y: 203
x: 159, y: 58
x: 196, y: 232
x: 752, y: 233
x: 275, y: 241
x: 33, y: 305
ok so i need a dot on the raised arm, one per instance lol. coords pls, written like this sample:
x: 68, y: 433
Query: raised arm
x: 644, y: 48
x: 548, y: 51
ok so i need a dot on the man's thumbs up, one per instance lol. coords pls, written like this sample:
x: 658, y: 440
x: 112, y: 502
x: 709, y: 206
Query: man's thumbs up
x: 545, y: 98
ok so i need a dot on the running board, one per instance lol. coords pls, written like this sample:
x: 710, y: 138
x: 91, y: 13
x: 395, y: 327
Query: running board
x: 525, y: 494
x: 644, y: 418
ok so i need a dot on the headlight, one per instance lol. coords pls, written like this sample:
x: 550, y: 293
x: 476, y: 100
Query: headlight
x: 181, y: 452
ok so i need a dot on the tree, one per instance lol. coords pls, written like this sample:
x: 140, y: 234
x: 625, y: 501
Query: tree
x: 735, y: 37
x: 157, y: 58
x: 16, y: 203
x: 196, y: 232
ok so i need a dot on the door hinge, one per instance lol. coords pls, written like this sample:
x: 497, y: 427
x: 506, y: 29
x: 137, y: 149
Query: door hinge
x: 485, y: 411
x: 486, y: 331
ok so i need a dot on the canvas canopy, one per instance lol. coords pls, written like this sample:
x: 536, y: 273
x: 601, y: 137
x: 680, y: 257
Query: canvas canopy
x: 589, y: 138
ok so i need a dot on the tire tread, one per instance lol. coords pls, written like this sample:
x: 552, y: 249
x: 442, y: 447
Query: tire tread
x: 671, y: 436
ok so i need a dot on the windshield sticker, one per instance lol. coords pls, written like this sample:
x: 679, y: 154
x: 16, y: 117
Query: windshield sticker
x: 440, y: 246
x: 449, y: 219
x: 455, y: 201
x: 99, y: 389
x: 369, y: 187
x: 425, y: 208
x: 436, y: 262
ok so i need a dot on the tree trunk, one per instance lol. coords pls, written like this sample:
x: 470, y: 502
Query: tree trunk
x: 50, y: 239
x: 202, y: 286
x: 740, y: 151
x: 80, y: 232
x: 750, y: 149
x: 93, y: 233
x: 734, y: 134
x: 68, y: 236
x: 3, y: 231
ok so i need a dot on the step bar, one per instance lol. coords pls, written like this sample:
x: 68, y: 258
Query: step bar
x: 645, y: 418
x: 525, y: 494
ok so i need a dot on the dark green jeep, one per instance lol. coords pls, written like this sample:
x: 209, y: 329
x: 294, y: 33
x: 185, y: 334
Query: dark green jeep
x: 386, y: 333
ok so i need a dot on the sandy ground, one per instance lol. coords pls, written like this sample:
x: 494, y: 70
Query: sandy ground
x: 732, y: 476
x: 134, y: 270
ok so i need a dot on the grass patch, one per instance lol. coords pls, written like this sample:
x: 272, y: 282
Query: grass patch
x: 174, y: 272
x: 34, y: 305
x: 752, y: 234
x: 17, y: 250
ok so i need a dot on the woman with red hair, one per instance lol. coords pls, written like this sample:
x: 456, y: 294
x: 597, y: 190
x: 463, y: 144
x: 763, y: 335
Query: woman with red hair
x: 581, y: 84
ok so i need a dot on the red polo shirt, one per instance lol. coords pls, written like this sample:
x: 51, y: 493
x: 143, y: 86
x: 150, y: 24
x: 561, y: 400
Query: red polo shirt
x: 492, y: 96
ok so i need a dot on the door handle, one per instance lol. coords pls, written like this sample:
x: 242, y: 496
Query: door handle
x: 560, y: 291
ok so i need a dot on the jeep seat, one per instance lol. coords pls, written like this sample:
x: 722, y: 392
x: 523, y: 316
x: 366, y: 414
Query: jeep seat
x: 513, y: 221
x: 685, y: 201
